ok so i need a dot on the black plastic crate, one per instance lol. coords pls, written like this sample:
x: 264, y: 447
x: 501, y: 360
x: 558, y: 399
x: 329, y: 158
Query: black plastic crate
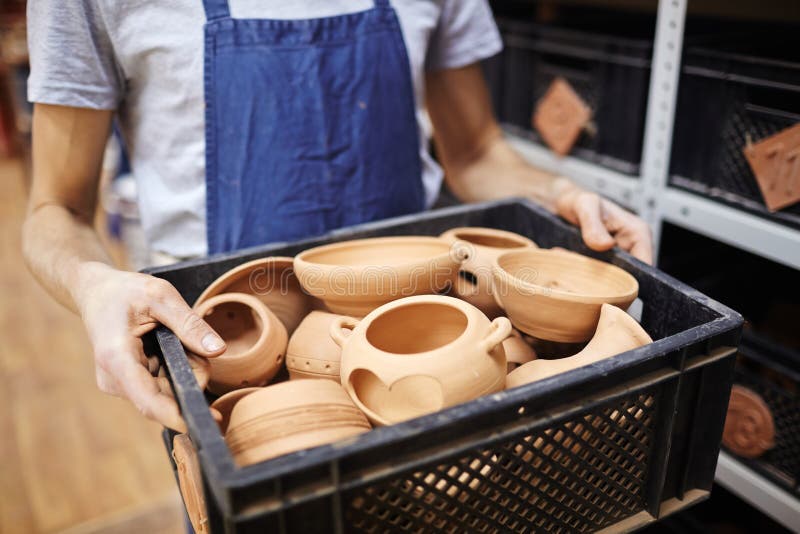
x: 619, y: 442
x: 603, y: 59
x: 733, y: 89
x: 773, y: 372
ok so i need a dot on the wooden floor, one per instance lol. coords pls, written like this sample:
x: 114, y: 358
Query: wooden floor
x: 71, y: 458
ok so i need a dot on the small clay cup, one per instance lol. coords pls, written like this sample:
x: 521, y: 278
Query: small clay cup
x: 291, y: 416
x: 256, y: 341
x: 355, y: 277
x: 273, y: 282
x: 616, y: 333
x: 190, y: 481
x: 482, y: 246
x: 557, y: 296
x: 517, y: 350
x: 311, y: 352
x: 224, y: 405
x: 420, y: 354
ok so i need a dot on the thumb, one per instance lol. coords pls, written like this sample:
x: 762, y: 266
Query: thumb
x: 173, y: 312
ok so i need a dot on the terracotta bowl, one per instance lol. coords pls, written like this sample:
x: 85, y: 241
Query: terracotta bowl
x: 272, y: 281
x: 355, y: 277
x: 224, y: 405
x: 420, y: 354
x: 256, y: 341
x: 291, y: 416
x: 517, y: 350
x: 311, y: 352
x: 190, y: 481
x: 557, y: 296
x: 482, y: 246
x: 616, y: 333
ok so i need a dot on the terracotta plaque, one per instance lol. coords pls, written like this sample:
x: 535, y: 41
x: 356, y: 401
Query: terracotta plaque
x: 560, y: 116
x: 749, y: 427
x: 775, y: 161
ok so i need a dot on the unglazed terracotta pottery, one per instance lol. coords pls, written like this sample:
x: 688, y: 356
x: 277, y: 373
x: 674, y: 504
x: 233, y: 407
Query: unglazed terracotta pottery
x: 311, y: 352
x: 190, y: 481
x: 517, y: 351
x: 420, y: 354
x: 616, y: 333
x: 557, y: 296
x: 482, y: 246
x: 256, y: 341
x: 224, y: 405
x: 291, y: 416
x: 355, y: 277
x: 749, y: 426
x: 272, y: 281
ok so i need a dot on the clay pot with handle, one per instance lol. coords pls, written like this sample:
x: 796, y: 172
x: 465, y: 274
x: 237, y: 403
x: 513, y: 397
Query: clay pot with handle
x: 616, y: 333
x: 557, y: 296
x: 417, y: 355
x: 482, y: 246
x: 518, y: 351
x: 355, y: 277
x: 311, y: 352
x: 256, y: 341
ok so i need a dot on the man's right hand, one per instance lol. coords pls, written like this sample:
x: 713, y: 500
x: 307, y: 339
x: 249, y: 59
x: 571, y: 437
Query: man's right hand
x: 118, y: 308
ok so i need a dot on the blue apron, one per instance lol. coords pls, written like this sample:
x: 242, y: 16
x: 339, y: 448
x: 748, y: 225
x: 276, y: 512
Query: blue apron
x: 310, y: 125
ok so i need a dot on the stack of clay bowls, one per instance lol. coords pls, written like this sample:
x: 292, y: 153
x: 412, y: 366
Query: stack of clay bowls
x: 311, y: 352
x: 418, y: 355
x: 273, y: 282
x: 291, y: 416
x: 481, y: 246
x: 355, y: 277
x: 557, y: 296
x: 255, y: 338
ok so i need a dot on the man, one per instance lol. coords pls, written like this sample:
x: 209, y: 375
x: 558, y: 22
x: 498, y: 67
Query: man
x: 278, y: 120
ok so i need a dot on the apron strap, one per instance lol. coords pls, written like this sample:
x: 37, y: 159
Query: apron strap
x: 217, y: 9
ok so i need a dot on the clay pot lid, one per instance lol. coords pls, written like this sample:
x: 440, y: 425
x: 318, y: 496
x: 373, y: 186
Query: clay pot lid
x: 190, y: 480
x: 593, y: 281
x: 749, y: 426
x: 258, y: 308
x: 225, y: 403
x: 488, y: 238
x: 398, y: 252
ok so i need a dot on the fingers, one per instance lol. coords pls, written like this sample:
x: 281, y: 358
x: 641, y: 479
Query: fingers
x: 631, y: 232
x: 145, y: 392
x: 168, y: 307
x: 588, y: 210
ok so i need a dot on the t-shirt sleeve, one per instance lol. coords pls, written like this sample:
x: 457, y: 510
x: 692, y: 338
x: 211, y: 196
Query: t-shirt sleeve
x: 466, y: 33
x: 71, y: 55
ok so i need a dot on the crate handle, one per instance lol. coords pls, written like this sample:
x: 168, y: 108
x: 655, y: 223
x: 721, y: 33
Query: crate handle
x: 499, y: 330
x: 338, y: 326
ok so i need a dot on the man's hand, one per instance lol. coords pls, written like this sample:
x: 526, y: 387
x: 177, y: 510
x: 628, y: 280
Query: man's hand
x: 118, y: 308
x: 604, y: 224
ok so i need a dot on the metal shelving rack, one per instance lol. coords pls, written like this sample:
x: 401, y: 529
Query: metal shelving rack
x: 650, y: 195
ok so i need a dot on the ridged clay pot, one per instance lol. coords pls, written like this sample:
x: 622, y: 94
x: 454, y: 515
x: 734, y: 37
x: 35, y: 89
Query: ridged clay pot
x: 355, y: 277
x: 749, y: 426
x: 224, y: 405
x: 517, y: 350
x: 311, y: 352
x: 616, y: 333
x: 273, y: 282
x: 420, y: 354
x: 190, y: 481
x: 556, y: 296
x: 291, y: 416
x: 482, y: 246
x: 256, y: 341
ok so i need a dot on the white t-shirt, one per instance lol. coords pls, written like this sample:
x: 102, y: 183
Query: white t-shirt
x: 145, y: 58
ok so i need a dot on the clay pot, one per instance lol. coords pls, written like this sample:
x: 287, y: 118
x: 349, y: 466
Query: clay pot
x: 749, y: 426
x: 420, y: 354
x: 224, y: 405
x: 517, y: 351
x: 355, y: 277
x: 291, y: 416
x: 256, y: 341
x: 482, y: 246
x: 190, y: 481
x: 272, y: 281
x: 616, y: 333
x: 557, y: 296
x: 311, y: 352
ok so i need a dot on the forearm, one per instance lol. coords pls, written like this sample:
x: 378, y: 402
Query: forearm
x: 62, y: 249
x: 496, y: 170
